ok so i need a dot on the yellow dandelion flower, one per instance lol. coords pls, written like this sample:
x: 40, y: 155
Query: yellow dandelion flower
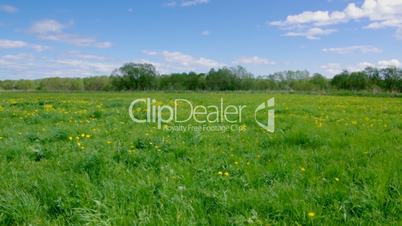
x: 302, y: 169
x: 236, y: 163
x: 243, y: 128
x: 226, y: 174
x: 109, y: 142
x: 337, y: 179
x: 79, y: 144
x: 88, y: 136
x: 48, y: 107
x: 220, y: 173
x: 83, y: 135
x: 70, y: 138
x: 311, y: 214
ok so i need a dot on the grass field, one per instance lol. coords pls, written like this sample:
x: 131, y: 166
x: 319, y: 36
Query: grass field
x: 79, y: 159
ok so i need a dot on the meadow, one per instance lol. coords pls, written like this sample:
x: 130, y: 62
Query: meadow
x: 78, y: 158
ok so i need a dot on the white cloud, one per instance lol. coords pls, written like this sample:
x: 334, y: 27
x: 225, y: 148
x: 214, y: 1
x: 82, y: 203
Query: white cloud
x: 8, y: 9
x: 332, y: 68
x: 336, y: 68
x: 150, y: 52
x: 74, y: 64
x: 86, y: 67
x: 353, y: 49
x: 46, y: 27
x: 172, y: 61
x: 389, y: 63
x: 312, y: 33
x: 85, y: 56
x: 15, y: 44
x: 254, y: 60
x: 53, y: 30
x: 193, y: 2
x: 379, y: 13
x: 188, y: 60
x: 186, y: 3
x: 205, y: 33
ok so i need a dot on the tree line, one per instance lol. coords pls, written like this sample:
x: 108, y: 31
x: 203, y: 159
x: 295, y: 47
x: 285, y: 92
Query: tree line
x: 132, y: 76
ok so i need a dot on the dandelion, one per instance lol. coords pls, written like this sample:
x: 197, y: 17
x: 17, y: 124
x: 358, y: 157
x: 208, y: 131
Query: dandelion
x: 70, y: 138
x: 302, y: 169
x: 236, y: 163
x: 243, y: 128
x: 79, y: 144
x: 220, y: 173
x: 226, y: 174
x: 337, y: 179
x: 88, y: 136
x: 48, y: 107
x: 83, y: 135
x: 109, y: 142
x: 311, y: 214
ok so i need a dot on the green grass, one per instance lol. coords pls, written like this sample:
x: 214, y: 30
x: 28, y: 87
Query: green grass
x: 337, y: 158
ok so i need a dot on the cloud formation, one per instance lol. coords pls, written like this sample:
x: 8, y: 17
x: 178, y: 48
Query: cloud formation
x: 15, y: 44
x: 173, y: 60
x: 353, y: 49
x: 254, y: 60
x: 53, y: 30
x: 335, y: 68
x: 187, y: 3
x: 312, y: 33
x: 8, y: 9
x: 379, y: 13
x: 30, y: 66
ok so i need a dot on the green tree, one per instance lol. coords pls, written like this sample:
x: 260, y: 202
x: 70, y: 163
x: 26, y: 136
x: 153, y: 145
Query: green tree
x: 134, y: 76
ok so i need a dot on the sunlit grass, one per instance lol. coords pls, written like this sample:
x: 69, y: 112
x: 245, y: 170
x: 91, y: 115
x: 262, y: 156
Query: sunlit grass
x: 79, y: 159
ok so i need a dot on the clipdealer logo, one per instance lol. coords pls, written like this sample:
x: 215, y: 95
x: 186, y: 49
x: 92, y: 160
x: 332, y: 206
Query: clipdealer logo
x: 184, y: 111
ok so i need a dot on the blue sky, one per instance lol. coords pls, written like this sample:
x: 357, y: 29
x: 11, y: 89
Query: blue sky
x: 84, y: 38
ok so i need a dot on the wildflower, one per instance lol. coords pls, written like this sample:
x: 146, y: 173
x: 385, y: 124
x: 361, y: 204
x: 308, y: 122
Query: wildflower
x: 337, y: 179
x: 79, y: 144
x: 48, y: 107
x: 88, y: 136
x: 70, y: 138
x: 302, y: 169
x: 83, y: 135
x: 109, y: 142
x: 311, y: 214
x: 236, y: 163
x: 243, y: 128
x: 226, y: 174
x: 220, y: 173
x: 1, y: 138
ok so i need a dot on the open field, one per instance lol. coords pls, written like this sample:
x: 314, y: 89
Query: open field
x: 80, y: 159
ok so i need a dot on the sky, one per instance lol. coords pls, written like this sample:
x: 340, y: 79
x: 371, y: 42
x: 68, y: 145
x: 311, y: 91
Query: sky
x: 74, y: 38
